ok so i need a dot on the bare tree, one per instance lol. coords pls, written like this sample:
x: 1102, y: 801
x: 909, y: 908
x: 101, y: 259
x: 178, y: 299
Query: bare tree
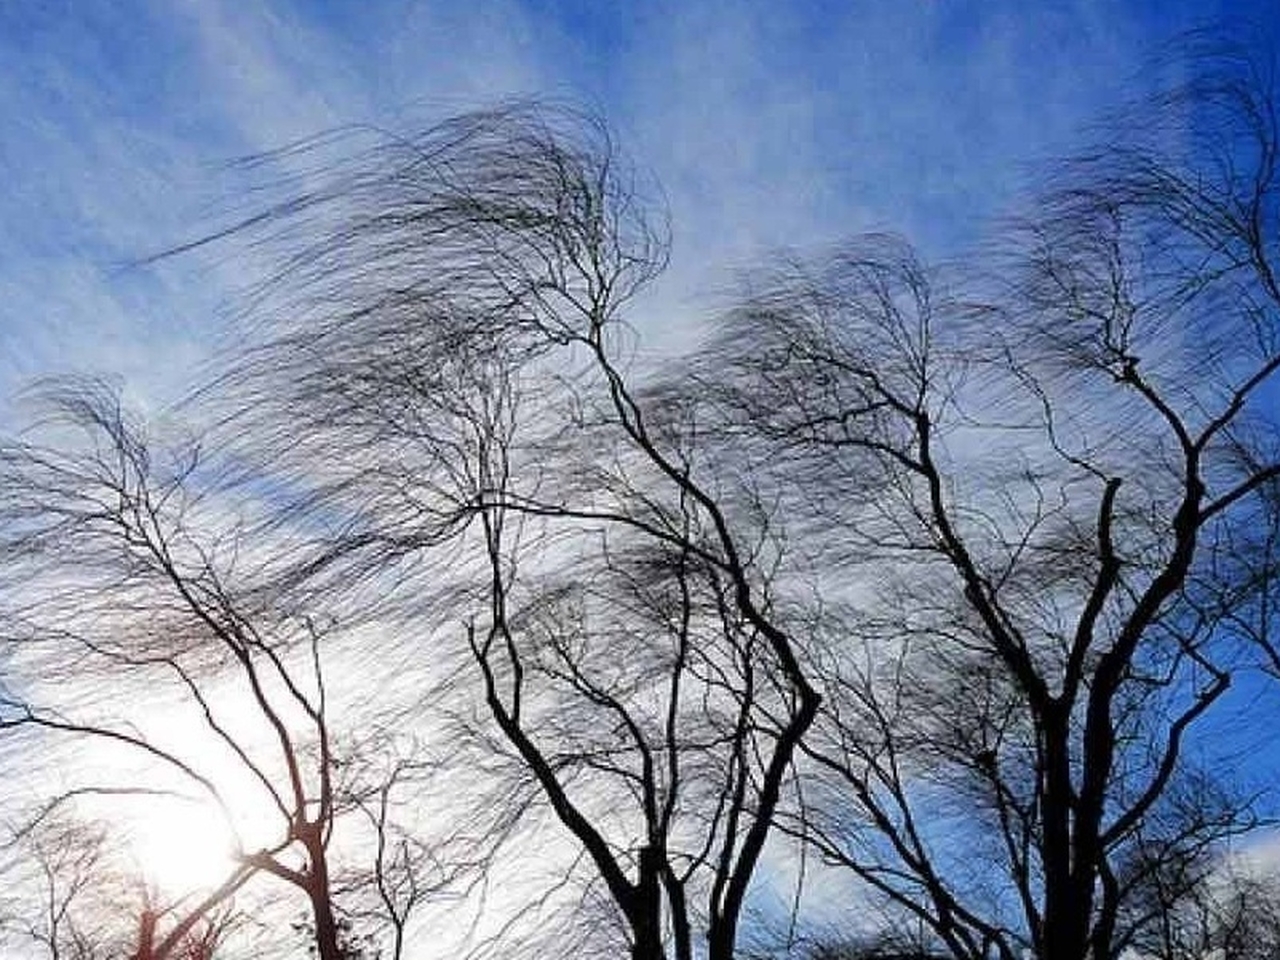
x: 64, y: 861
x: 449, y: 366
x: 134, y: 602
x: 1028, y: 486
x: 73, y: 894
x: 1228, y: 912
x: 993, y: 511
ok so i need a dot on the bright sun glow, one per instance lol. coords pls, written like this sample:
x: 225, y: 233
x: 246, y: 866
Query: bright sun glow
x: 185, y: 841
x: 182, y: 847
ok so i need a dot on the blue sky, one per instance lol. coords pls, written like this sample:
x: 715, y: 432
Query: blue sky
x: 770, y: 124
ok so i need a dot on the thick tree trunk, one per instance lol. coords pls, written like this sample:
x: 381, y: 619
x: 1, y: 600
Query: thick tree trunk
x: 326, y: 928
x: 1067, y: 900
x: 646, y: 918
x: 720, y: 941
x: 1066, y: 933
x: 326, y: 924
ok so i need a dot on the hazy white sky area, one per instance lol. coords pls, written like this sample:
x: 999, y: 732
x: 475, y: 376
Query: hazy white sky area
x: 769, y: 124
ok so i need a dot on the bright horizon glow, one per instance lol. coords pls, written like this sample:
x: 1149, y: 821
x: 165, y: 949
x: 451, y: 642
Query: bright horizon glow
x: 181, y: 840
x: 181, y: 844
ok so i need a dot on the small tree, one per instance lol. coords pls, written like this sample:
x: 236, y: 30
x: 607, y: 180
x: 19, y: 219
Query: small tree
x: 122, y: 587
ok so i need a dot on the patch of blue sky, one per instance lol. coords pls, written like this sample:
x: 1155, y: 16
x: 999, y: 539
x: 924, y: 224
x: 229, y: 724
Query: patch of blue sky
x: 770, y: 125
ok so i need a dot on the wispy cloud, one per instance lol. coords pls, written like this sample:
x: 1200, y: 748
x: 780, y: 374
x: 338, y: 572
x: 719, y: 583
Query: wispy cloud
x: 769, y: 125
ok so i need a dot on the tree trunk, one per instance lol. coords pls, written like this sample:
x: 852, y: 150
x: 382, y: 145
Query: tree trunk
x: 146, y: 936
x: 1067, y: 901
x: 326, y: 924
x: 646, y: 918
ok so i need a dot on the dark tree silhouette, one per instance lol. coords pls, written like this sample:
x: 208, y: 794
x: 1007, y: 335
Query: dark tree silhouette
x: 1036, y: 492
x: 449, y: 372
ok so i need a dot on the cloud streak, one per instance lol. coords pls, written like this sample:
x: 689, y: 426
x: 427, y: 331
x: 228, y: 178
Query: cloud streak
x: 770, y: 125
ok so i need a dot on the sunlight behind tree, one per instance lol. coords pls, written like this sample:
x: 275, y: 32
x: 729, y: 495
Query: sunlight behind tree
x: 181, y: 847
